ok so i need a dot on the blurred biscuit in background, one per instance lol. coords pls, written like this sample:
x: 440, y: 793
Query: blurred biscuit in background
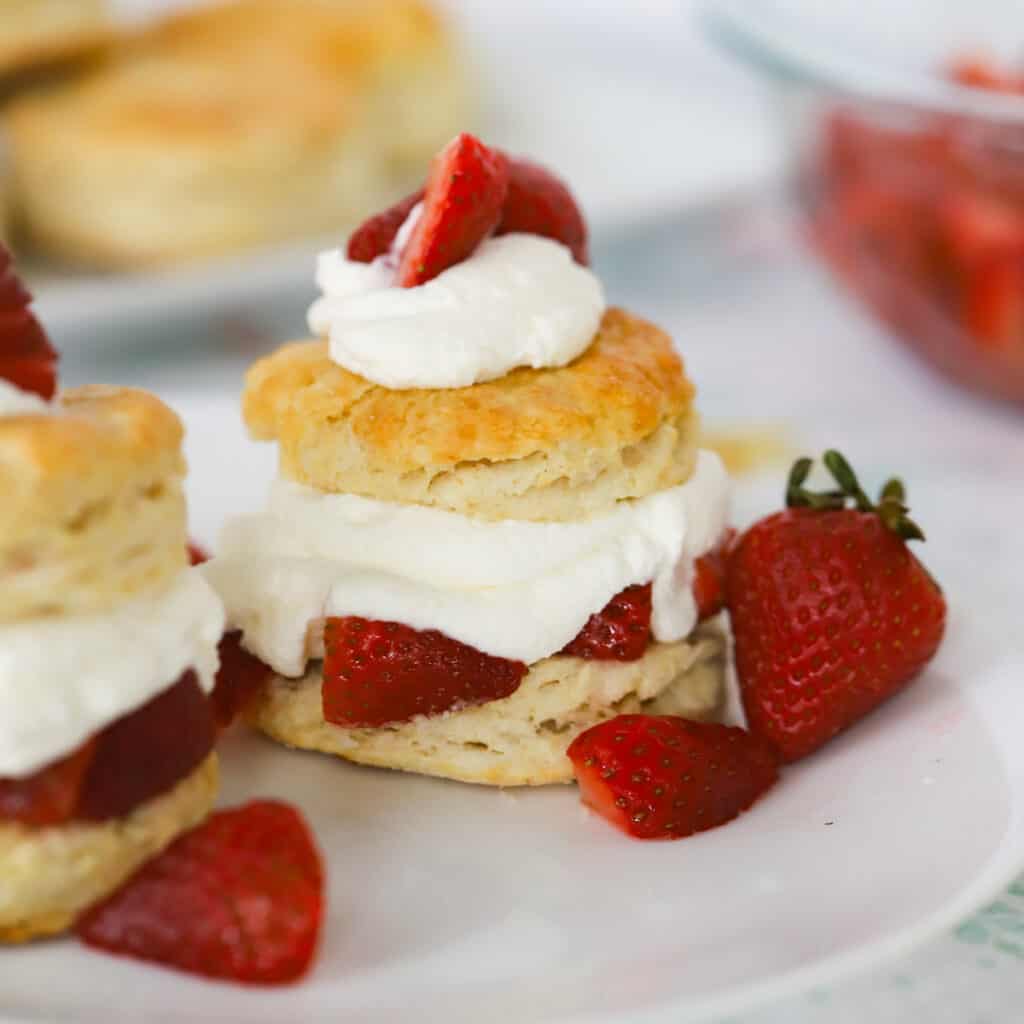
x: 36, y: 32
x: 234, y: 126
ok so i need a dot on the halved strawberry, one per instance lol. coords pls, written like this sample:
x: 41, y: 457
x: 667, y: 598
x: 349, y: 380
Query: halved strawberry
x: 49, y: 796
x: 538, y: 203
x: 27, y: 359
x: 620, y: 631
x: 709, y: 577
x: 239, y: 898
x: 462, y: 205
x: 374, y: 237
x: 376, y: 673
x: 240, y: 678
x: 664, y: 777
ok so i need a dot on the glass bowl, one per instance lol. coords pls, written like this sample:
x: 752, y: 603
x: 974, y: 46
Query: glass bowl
x: 907, y: 159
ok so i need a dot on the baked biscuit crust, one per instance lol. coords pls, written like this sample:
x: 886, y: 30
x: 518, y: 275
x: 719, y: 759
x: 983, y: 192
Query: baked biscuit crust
x: 518, y: 741
x: 49, y: 876
x: 93, y: 510
x: 34, y: 32
x: 553, y: 444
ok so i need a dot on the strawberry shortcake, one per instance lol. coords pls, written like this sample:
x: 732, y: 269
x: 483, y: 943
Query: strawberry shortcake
x: 493, y: 525
x: 108, y: 640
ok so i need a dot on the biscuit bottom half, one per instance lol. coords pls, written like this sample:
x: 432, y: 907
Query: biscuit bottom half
x: 522, y: 739
x: 48, y: 876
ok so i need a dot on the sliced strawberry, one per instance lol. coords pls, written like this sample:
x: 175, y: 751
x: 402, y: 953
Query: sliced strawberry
x: 27, y: 359
x: 148, y: 751
x: 709, y: 577
x: 621, y: 631
x: 538, y: 203
x: 375, y: 236
x: 994, y: 303
x: 977, y: 227
x: 376, y: 673
x: 240, y: 679
x: 663, y: 777
x: 49, y: 796
x: 197, y: 554
x: 462, y: 205
x: 239, y: 898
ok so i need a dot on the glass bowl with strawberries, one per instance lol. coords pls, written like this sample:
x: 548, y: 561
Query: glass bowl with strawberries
x: 906, y: 133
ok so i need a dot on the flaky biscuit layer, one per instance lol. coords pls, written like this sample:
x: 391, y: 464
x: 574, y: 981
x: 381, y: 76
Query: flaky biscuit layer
x: 41, y: 31
x: 556, y: 444
x: 518, y: 741
x: 93, y: 510
x: 48, y: 876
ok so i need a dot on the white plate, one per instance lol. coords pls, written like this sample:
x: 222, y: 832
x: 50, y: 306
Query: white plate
x: 459, y: 904
x: 636, y: 113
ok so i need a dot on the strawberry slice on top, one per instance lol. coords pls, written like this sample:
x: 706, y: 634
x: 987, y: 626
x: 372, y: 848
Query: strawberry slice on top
x: 462, y: 205
x: 27, y: 359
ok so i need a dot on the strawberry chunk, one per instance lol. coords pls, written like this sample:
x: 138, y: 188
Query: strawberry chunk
x: 462, y: 205
x: 994, y: 303
x: 148, y: 751
x: 538, y: 203
x: 621, y: 631
x: 27, y: 359
x: 375, y: 236
x: 664, y: 777
x: 240, y: 678
x: 196, y: 554
x: 49, y: 796
x: 239, y: 898
x: 709, y: 577
x: 376, y: 673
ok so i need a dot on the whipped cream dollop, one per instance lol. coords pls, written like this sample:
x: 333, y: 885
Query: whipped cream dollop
x: 63, y: 679
x: 15, y: 402
x: 518, y: 300
x: 513, y: 589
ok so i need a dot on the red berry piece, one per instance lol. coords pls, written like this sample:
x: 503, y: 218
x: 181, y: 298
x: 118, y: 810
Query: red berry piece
x: 240, y: 679
x: 239, y: 898
x: 196, y: 554
x: 148, y: 752
x: 376, y: 673
x: 621, y: 631
x: 831, y: 612
x: 375, y: 236
x: 27, y: 359
x: 462, y: 205
x: 538, y: 203
x: 48, y: 797
x: 663, y: 777
x: 709, y: 578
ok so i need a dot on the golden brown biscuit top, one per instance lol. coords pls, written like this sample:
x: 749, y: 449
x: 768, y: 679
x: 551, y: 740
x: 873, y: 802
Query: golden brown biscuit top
x: 101, y: 439
x: 628, y: 383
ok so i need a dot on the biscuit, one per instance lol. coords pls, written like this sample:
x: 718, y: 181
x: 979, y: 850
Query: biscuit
x: 48, y: 876
x: 93, y: 510
x: 246, y: 123
x: 520, y: 740
x: 34, y: 32
x: 552, y: 444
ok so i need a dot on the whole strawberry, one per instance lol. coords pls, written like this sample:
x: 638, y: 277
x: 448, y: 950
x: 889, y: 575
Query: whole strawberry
x: 831, y: 612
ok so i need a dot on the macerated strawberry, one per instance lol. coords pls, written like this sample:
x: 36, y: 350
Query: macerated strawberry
x: 831, y: 613
x: 27, y: 359
x: 376, y: 673
x: 539, y: 203
x: 664, y: 777
x: 993, y: 304
x: 709, y: 577
x: 462, y: 205
x: 147, y: 752
x: 375, y: 236
x: 49, y: 796
x: 621, y: 631
x: 240, y: 679
x: 238, y: 898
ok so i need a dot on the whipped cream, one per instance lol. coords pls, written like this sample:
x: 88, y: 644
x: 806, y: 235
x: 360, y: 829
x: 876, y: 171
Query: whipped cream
x: 63, y: 679
x: 15, y: 402
x: 513, y: 589
x: 519, y: 300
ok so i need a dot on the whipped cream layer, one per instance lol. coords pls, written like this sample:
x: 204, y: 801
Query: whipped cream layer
x: 514, y: 589
x: 519, y: 300
x: 64, y: 679
x: 15, y: 402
